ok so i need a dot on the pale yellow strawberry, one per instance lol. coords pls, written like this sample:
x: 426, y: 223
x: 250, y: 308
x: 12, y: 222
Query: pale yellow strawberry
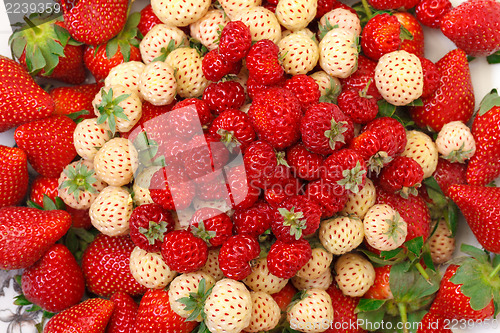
x: 441, y: 243
x: 211, y: 266
x: 321, y: 282
x: 341, y: 234
x: 455, y: 142
x: 262, y: 23
x: 228, y: 308
x: 126, y: 74
x: 307, y: 32
x: 359, y: 203
x: 207, y: 29
x: 157, y: 83
x: 315, y: 306
x: 160, y: 41
x: 232, y: 7
x: 422, y: 149
x: 141, y: 186
x: 149, y: 269
x: 316, y: 266
x: 110, y: 212
x: 296, y: 14
x: 260, y: 279
x: 385, y: 229
x: 180, y: 13
x: 329, y: 86
x: 355, y: 274
x: 188, y: 72
x: 116, y: 162
x: 266, y: 313
x: 339, y: 18
x: 299, y: 53
x: 338, y: 53
x: 89, y: 137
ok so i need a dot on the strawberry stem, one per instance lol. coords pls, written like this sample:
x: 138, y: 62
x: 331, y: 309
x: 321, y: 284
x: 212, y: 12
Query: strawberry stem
x: 422, y: 271
x: 367, y: 9
x: 404, y: 316
x: 36, y: 29
x: 495, y: 271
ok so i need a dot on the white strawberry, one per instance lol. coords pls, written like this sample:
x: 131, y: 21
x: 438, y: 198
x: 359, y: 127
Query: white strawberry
x: 157, y: 83
x: 307, y: 32
x: 188, y: 72
x: 228, y: 308
x: 339, y: 18
x: 312, y: 313
x: 399, y: 77
x: 111, y: 210
x: 385, y: 230
x: 180, y: 13
x: 355, y: 274
x: 180, y: 290
x: 455, y: 142
x: 211, y: 266
x: 341, y: 234
x: 338, y: 53
x: 78, y: 184
x: 208, y: 28
x: 116, y: 162
x: 321, y: 282
x: 232, y: 7
x: 260, y: 279
x: 119, y: 107
x: 149, y: 269
x: 266, y: 313
x: 160, y: 41
x: 441, y: 243
x: 141, y: 186
x: 298, y: 53
x: 89, y: 137
x: 318, y: 264
x: 422, y: 149
x: 359, y: 203
x: 262, y: 23
x: 296, y: 14
x: 329, y: 86
x: 126, y: 74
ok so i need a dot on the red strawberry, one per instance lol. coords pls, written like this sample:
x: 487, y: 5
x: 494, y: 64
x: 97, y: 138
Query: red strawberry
x: 448, y: 174
x: 363, y: 78
x: 254, y: 88
x: 200, y: 105
x: 13, y: 175
x: 454, y: 97
x: 74, y: 99
x: 275, y: 115
x: 263, y: 63
x: 473, y: 26
x: 221, y: 96
x: 414, y: 45
x: 431, y: 77
x: 431, y: 323
x: 392, y: 4
x: 304, y: 164
x: 123, y: 318
x: 234, y: 129
x: 183, y: 252
x: 324, y: 6
x: 330, y: 197
x: 211, y: 225
x: 282, y: 189
x: 484, y: 165
x: 241, y: 193
x: 89, y: 316
x: 253, y: 221
x: 481, y: 208
x: 55, y: 282
x: 235, y: 41
x: 106, y: 268
x: 148, y: 20
x: 22, y: 100
x: 285, y: 296
x: 430, y: 12
x: 402, y: 176
x: 305, y: 89
x: 343, y: 312
x: 235, y: 256
x: 359, y: 106
x: 48, y: 144
x: 347, y: 168
x: 27, y: 233
x: 149, y: 224
x: 94, y: 22
x: 156, y: 315
x: 164, y: 191
x: 286, y: 259
x: 380, y: 289
x: 214, y: 67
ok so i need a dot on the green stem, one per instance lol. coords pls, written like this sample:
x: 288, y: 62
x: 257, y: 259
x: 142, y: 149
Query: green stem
x: 422, y: 271
x: 404, y: 315
x: 367, y: 9
x: 36, y: 29
x: 495, y: 271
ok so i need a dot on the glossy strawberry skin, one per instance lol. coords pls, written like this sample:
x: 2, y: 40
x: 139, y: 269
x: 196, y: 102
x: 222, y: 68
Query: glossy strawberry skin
x: 106, y: 266
x: 393, y: 4
x: 221, y: 96
x: 448, y: 174
x: 415, y: 45
x: 214, y: 221
x: 304, y: 164
x: 330, y: 197
x: 161, y: 190
x: 183, y: 252
x: 391, y: 133
x: 141, y: 218
x: 254, y: 220
x: 432, y: 323
x: 235, y: 41
x: 74, y: 99
x: 235, y: 256
x: 263, y: 64
x: 381, y: 35
x: 363, y: 77
x: 235, y: 123
x: 286, y: 259
x: 343, y: 312
x: 402, y: 172
x: 148, y: 20
x: 361, y: 109
x: 13, y: 175
x: 42, y: 186
x: 254, y: 88
x: 381, y: 288
x: 123, y: 318
x: 27, y: 233
x: 55, y: 282
x: 285, y: 296
x: 214, y: 67
x: 305, y: 89
x: 201, y: 108
x: 340, y: 161
x: 430, y: 12
x: 242, y: 194
x: 431, y: 77
x: 100, y: 65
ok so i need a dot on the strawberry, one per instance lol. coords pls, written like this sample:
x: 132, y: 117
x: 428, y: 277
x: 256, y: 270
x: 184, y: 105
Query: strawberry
x: 431, y: 12
x: 392, y: 4
x: 55, y: 282
x: 431, y: 323
x: 431, y: 76
x: 13, y: 175
x: 208, y: 28
x: 338, y: 52
x: 296, y: 15
x: 60, y: 58
x: 222, y: 96
x: 266, y: 312
x: 48, y: 143
x: 414, y: 45
x: 345, y: 167
x: 298, y: 53
x: 355, y: 274
x: 254, y: 220
x: 183, y: 252
x: 362, y: 76
x: 285, y: 296
x: 211, y: 267
x: 233, y: 126
x: 94, y: 22
x: 286, y: 259
x: 211, y: 225
x: 484, y: 166
x: 322, y: 282
x: 422, y: 149
x: 317, y: 266
x: 357, y: 105
x: 341, y: 234
x: 454, y: 97
x: 231, y: 7
x: 448, y: 174
x: 156, y: 315
x: 263, y: 63
x: 215, y: 68
x: 160, y: 41
x: 89, y: 137
x: 341, y: 18
x: 403, y: 176
x: 455, y: 142
x: 305, y: 89
x: 20, y: 92
x: 148, y: 20
x: 343, y: 311
x: 262, y: 22
x: 110, y: 212
x: 106, y: 269
x: 27, y: 233
x: 74, y: 99
x: 235, y: 256
x: 260, y: 279
x: 41, y: 187
x: 479, y: 40
x: 385, y: 230
x: 164, y: 191
x: 91, y: 315
x: 149, y: 269
x: 123, y: 318
x: 116, y: 161
x: 180, y: 13
x: 157, y: 83
x: 441, y: 243
x: 359, y: 203
x: 187, y: 64
x: 313, y: 305
x: 148, y: 225
x: 235, y: 41
x: 304, y: 164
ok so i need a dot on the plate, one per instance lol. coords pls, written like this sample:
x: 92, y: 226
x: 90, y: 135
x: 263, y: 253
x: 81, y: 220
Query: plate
x: 484, y: 78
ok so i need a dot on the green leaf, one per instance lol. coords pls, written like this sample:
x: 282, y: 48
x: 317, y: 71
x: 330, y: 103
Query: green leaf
x: 71, y: 241
x: 376, y: 259
x: 391, y: 254
x: 428, y: 260
x: 17, y: 46
x: 405, y: 34
x: 75, y: 115
x: 133, y: 21
x: 417, y: 102
x: 415, y: 245
x: 451, y: 217
x: 21, y: 300
x: 125, y: 50
x: 480, y: 255
x: 488, y: 102
x: 366, y: 305
x: 371, y: 319
x: 470, y: 274
x: 48, y: 204
x: 111, y: 48
x: 494, y: 58
x: 62, y: 34
x: 496, y: 260
x: 407, y: 284
x: 385, y: 109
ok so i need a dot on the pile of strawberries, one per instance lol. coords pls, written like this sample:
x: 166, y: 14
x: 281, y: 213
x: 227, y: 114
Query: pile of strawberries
x: 249, y: 166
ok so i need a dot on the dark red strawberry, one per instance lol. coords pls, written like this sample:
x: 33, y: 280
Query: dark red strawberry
x: 214, y: 67
x: 235, y: 41
x: 27, y: 233
x: 253, y: 221
x: 286, y: 259
x: 123, y: 318
x: 148, y: 20
x: 74, y: 99
x: 235, y: 256
x: 357, y: 105
x: 55, y: 282
x: 330, y: 197
x: 106, y: 266
x: 285, y: 296
x: 282, y: 189
x: 363, y: 78
x: 382, y: 34
x: 402, y: 176
x: 304, y: 164
x: 211, y: 225
x: 263, y: 63
x: 254, y: 88
x: 242, y: 194
x: 392, y: 4
x: 305, y: 89
x: 234, y: 129
x: 183, y: 252
x: 221, y: 96
x: 13, y: 175
x: 431, y: 77
x: 48, y: 144
x: 415, y: 44
x: 343, y: 312
x: 381, y: 288
x: 204, y: 162
x: 430, y: 12
x: 149, y: 223
x: 347, y: 168
x: 448, y: 174
x: 170, y: 190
